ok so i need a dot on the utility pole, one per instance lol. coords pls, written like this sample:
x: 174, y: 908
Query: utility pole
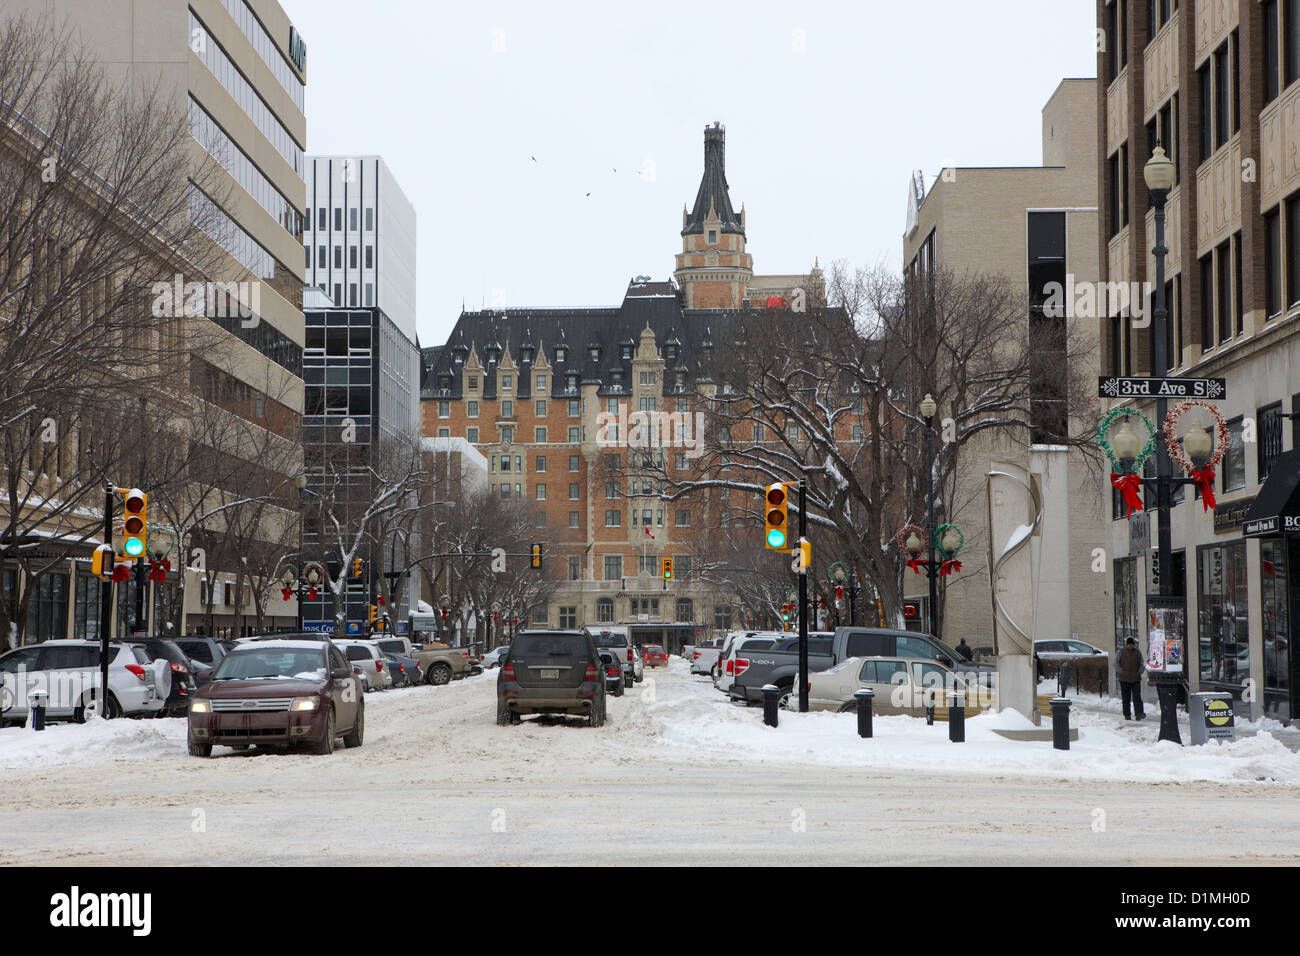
x: 105, y: 605
x: 803, y: 600
x: 141, y: 623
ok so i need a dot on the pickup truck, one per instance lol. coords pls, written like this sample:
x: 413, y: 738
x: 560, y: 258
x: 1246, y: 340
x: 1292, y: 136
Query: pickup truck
x: 439, y: 663
x: 780, y: 665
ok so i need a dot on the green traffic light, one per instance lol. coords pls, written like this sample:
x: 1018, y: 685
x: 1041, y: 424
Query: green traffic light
x: 134, y: 547
x: 776, y: 538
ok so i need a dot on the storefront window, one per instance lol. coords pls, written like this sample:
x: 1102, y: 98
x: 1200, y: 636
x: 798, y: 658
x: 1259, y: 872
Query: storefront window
x: 85, y: 618
x: 47, y: 608
x: 1273, y: 577
x: 1126, y: 602
x: 1222, y: 613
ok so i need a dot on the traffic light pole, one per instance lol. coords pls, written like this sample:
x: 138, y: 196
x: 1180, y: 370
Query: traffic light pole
x: 803, y: 602
x: 105, y: 607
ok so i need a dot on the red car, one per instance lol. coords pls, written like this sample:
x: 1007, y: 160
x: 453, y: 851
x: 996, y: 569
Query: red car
x: 655, y: 656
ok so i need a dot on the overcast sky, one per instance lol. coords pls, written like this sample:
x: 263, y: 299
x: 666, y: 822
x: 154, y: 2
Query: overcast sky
x: 549, y: 148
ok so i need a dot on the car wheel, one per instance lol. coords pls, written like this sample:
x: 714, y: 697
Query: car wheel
x: 715, y: 672
x: 505, y: 716
x: 326, y: 744
x: 597, y: 716
x: 199, y: 749
x: 354, y: 738
x: 618, y: 689
x: 114, y: 709
x: 786, y: 693
x: 439, y: 674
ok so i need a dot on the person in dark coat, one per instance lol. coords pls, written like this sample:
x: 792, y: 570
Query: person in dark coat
x: 1128, y: 670
x: 964, y: 650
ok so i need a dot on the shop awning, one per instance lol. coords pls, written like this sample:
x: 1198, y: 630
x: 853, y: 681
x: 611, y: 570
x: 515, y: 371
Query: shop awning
x: 1277, y: 507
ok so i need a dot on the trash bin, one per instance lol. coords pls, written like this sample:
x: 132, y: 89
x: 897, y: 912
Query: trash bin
x: 1211, y: 717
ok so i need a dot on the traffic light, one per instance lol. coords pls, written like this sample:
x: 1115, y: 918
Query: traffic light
x: 356, y: 570
x: 668, y: 568
x: 374, y: 613
x: 102, y: 561
x: 135, y: 523
x: 775, y: 533
x: 537, y: 556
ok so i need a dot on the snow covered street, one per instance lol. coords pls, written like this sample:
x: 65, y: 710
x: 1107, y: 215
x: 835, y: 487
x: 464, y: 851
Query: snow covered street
x: 678, y: 775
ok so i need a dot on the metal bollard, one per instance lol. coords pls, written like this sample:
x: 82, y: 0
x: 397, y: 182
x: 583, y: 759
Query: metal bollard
x: 1061, y: 723
x: 864, y: 696
x: 929, y: 714
x: 957, y: 718
x: 771, y: 698
x: 36, y: 702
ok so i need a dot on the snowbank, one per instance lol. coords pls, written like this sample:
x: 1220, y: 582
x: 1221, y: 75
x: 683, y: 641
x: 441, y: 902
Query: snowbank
x: 59, y: 745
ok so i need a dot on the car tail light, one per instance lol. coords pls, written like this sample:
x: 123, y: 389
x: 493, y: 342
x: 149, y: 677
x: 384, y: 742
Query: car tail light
x: 697, y: 655
x: 379, y: 666
x: 508, y: 672
x: 590, y: 673
x: 180, y: 668
x: 613, y: 672
x: 137, y: 670
x: 742, y: 665
x: 729, y: 667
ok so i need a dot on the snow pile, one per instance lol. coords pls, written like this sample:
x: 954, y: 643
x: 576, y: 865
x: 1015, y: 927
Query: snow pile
x: 95, y: 740
x: 684, y: 718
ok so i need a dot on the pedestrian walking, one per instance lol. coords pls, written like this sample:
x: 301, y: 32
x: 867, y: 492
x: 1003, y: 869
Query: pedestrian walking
x: 964, y: 650
x: 1128, y: 670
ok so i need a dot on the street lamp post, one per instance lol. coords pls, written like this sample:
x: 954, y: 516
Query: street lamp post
x: 301, y: 482
x: 928, y: 411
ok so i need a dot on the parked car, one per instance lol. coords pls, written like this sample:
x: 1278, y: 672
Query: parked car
x: 707, y: 658
x: 749, y: 655
x: 615, y: 673
x: 493, y: 657
x: 902, y: 685
x: 636, y: 662
x: 612, y: 637
x: 655, y: 656
x: 405, y: 671
x: 440, y: 663
x: 68, y: 671
x: 207, y: 651
x: 551, y: 672
x: 368, y: 656
x: 183, y: 684
x: 1056, y: 650
x: 286, y: 693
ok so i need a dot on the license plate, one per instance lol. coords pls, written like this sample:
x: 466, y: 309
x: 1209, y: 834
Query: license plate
x: 549, y: 673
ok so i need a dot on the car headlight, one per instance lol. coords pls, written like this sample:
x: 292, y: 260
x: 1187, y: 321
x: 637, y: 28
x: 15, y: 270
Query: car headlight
x: 303, y: 703
x: 200, y: 707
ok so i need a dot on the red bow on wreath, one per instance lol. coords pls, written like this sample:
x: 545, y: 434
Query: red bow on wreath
x: 122, y: 572
x: 1128, y: 486
x: 915, y: 565
x: 311, y: 593
x: 286, y: 592
x: 1204, y: 478
x: 158, y: 570
x: 949, y: 566
x: 380, y: 600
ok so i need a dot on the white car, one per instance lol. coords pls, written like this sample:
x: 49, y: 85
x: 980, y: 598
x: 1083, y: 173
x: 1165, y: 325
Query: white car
x: 67, y: 671
x: 706, y: 657
x: 493, y: 657
x: 637, y: 661
x: 902, y: 685
x: 368, y: 656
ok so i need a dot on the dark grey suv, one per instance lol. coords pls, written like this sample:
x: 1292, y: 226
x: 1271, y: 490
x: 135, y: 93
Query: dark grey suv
x: 551, y: 672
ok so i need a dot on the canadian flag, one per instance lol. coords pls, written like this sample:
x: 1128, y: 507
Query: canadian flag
x: 647, y: 531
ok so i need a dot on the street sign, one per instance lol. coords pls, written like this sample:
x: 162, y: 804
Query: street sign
x: 1139, y: 533
x: 1117, y: 386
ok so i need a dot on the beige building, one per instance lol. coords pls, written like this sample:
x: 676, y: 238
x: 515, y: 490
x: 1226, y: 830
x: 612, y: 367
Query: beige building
x: 1034, y: 225
x: 237, y: 68
x: 1218, y: 84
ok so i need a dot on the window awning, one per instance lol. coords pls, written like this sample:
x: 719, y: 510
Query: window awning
x: 1277, y: 507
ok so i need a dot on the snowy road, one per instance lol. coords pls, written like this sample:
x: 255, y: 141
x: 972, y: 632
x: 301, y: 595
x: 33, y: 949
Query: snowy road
x: 677, y: 776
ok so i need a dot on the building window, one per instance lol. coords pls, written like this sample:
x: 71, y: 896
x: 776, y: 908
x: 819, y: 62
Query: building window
x: 338, y: 258
x: 473, y: 383
x: 444, y: 432
x: 507, y: 381
x: 539, y: 436
x: 541, y: 492
x: 721, y: 617
x: 1269, y: 421
x: 338, y: 219
x: 568, y: 618
x: 648, y: 564
x: 613, y: 567
x: 1272, y: 263
x: 1222, y: 94
x: 573, y: 408
x: 507, y: 409
x: 444, y: 409
x: 1274, y: 611
x: 370, y: 257
x: 352, y: 257
x: 604, y: 610
x: 1268, y: 13
x: 471, y: 409
x: 541, y: 464
x: 685, y: 611
x: 573, y: 463
x: 1207, y: 303
x: 507, y: 434
x: 573, y: 491
x: 1223, y: 277
x: 505, y: 462
x: 1234, y: 459
x: 613, y: 519
x: 370, y: 219
x: 471, y: 435
x: 573, y: 435
x: 646, y: 606
x: 573, y: 519
x: 1291, y: 41
x: 1223, y: 618
x: 683, y: 518
x: 539, y: 408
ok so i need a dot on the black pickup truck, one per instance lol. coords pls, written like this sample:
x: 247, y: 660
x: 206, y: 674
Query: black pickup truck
x: 780, y: 665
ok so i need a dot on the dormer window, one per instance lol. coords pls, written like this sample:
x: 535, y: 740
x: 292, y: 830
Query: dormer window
x: 444, y: 382
x: 627, y: 352
x: 473, y: 383
x: 594, y: 352
x: 507, y: 380
x: 672, y: 353
x: 713, y: 237
x: 560, y: 353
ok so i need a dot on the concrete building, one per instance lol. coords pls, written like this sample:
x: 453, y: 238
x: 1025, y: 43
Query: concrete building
x: 238, y: 69
x: 1216, y: 83
x: 1034, y: 225
x: 361, y: 364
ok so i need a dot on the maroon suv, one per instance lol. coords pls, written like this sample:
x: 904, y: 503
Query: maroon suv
x: 285, y: 693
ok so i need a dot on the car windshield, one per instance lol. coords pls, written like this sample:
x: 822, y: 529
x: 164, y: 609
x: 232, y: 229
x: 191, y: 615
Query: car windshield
x: 609, y: 639
x: 654, y: 649
x: 286, y: 663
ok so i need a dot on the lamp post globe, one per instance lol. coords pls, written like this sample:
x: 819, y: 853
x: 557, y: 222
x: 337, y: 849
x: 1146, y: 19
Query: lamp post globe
x: 1197, y: 444
x: 1159, y: 170
x: 928, y: 406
